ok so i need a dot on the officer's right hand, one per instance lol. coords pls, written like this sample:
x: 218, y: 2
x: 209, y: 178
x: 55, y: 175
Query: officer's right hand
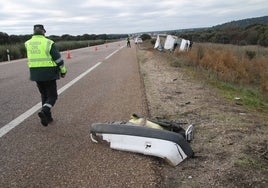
x: 63, y: 71
x: 62, y: 75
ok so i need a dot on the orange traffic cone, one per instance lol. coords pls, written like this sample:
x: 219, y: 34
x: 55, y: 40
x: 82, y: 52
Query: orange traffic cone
x: 68, y: 56
x: 96, y: 48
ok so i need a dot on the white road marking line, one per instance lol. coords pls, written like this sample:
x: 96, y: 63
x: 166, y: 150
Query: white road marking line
x: 8, y: 127
x: 61, y: 90
x: 114, y: 52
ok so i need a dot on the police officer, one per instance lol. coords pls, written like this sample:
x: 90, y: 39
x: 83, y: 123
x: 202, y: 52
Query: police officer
x: 128, y: 42
x: 46, y: 66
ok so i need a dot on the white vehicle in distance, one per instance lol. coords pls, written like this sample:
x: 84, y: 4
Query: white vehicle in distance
x: 138, y: 40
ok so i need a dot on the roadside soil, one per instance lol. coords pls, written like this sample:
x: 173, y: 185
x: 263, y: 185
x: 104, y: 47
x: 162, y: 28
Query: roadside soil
x: 230, y: 141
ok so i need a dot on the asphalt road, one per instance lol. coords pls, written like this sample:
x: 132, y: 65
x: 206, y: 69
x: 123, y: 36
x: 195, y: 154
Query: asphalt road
x: 103, y: 84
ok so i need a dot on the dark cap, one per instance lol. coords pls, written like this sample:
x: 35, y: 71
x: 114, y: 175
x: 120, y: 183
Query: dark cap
x: 39, y: 27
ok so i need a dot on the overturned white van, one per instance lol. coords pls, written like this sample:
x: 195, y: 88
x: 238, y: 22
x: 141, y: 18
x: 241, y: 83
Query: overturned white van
x: 160, y: 42
x: 170, y: 42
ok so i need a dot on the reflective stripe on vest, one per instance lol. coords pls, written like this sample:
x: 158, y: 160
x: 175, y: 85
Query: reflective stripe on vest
x: 38, y: 52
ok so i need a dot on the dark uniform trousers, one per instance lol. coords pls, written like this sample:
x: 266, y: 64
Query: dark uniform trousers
x: 49, y: 95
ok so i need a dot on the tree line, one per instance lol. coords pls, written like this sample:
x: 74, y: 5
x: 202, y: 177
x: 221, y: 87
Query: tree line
x: 15, y: 39
x: 12, y: 47
x: 255, y: 34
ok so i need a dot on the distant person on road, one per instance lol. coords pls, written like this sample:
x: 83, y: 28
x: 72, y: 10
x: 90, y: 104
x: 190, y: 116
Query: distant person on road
x: 128, y: 42
x: 46, y: 66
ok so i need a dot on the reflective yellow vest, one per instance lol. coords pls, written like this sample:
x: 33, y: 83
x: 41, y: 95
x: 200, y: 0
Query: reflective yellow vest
x: 38, y: 52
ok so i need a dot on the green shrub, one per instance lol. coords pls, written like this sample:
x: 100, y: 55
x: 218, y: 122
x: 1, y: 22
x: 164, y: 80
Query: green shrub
x: 250, y: 54
x: 145, y: 37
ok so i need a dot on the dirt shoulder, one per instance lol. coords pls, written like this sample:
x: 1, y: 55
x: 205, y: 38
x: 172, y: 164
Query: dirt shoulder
x: 231, y: 142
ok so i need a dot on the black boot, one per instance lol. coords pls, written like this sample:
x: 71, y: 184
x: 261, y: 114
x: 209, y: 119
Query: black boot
x: 43, y: 118
x: 49, y: 118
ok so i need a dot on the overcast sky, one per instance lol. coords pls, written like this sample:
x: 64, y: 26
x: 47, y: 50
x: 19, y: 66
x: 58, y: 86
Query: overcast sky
x: 78, y: 17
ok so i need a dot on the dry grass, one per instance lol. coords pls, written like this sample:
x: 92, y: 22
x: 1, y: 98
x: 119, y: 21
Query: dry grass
x: 230, y: 141
x: 235, y: 64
